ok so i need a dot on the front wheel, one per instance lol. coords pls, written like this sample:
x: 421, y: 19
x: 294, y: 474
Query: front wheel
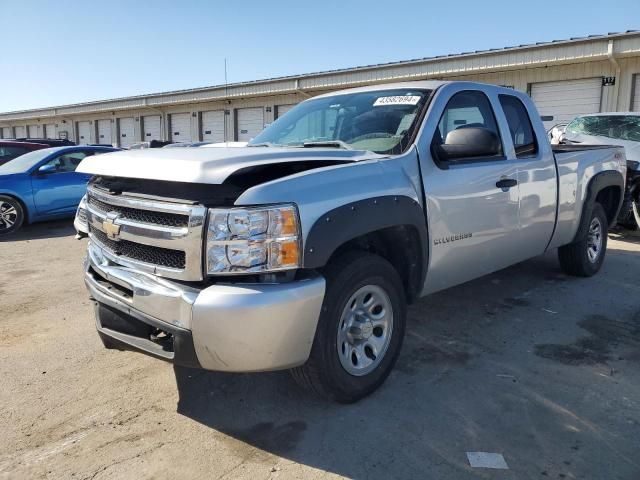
x: 11, y: 215
x: 360, y: 330
x: 584, y: 258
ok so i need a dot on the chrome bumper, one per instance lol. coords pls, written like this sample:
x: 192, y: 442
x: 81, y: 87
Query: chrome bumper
x: 234, y: 327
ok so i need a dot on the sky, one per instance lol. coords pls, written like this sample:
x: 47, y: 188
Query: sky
x: 65, y: 51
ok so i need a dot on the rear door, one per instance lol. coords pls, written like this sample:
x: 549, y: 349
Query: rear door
x: 473, y: 222
x: 536, y: 176
x: 59, y: 192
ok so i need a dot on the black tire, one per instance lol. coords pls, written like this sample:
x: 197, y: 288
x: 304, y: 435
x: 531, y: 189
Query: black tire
x: 324, y: 373
x: 575, y: 258
x: 11, y: 215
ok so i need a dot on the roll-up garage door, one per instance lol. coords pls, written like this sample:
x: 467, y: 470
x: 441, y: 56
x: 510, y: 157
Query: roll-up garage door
x: 84, y: 133
x: 21, y: 131
x: 566, y: 99
x: 126, y: 133
x: 635, y: 105
x: 213, y: 126
x: 250, y: 123
x: 104, y: 132
x: 6, y: 132
x: 33, y: 131
x: 282, y: 109
x: 151, y: 128
x: 50, y: 130
x: 180, y: 127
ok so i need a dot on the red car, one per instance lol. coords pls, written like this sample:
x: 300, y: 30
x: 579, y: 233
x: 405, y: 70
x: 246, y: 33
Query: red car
x: 10, y: 149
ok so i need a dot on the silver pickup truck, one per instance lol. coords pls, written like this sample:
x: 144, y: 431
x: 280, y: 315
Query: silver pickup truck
x: 302, y: 250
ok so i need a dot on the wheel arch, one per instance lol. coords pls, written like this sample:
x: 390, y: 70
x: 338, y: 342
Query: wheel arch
x: 23, y: 204
x: 393, y: 227
x: 606, y: 188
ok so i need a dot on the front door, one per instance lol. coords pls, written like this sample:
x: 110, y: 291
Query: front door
x: 472, y: 203
x: 60, y: 189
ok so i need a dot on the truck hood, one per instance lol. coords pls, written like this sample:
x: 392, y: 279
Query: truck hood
x: 211, y: 165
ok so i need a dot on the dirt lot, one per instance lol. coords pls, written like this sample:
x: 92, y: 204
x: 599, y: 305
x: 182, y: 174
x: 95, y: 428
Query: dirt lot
x: 529, y: 363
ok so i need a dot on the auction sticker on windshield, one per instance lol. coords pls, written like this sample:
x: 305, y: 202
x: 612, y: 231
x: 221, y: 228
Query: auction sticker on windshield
x: 397, y: 100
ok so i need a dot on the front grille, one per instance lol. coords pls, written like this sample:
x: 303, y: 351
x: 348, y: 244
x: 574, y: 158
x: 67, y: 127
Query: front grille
x: 144, y: 216
x: 163, y: 257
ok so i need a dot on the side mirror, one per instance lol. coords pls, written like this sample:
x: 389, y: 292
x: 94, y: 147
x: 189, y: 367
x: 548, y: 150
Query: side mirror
x: 47, y: 168
x: 468, y: 143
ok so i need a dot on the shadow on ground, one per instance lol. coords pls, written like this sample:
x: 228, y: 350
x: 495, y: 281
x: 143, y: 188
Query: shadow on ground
x: 52, y: 229
x: 495, y: 365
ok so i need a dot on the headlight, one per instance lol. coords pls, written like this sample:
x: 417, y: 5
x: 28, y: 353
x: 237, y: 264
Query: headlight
x: 253, y: 240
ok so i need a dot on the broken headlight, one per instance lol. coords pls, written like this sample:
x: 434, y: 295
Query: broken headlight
x: 253, y: 240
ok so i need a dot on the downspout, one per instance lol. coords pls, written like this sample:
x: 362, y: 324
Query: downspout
x: 616, y: 87
x: 299, y: 90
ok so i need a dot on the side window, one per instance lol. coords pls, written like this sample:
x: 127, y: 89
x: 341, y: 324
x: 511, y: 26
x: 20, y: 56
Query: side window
x: 68, y: 162
x: 524, y: 140
x: 467, y: 129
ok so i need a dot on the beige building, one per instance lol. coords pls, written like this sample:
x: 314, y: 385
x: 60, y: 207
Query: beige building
x: 565, y: 78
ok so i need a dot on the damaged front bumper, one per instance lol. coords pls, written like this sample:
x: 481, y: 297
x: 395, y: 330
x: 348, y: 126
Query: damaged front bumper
x: 234, y: 327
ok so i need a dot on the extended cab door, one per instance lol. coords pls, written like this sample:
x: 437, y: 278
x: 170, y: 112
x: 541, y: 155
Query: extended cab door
x: 537, y: 176
x: 59, y: 189
x: 471, y: 197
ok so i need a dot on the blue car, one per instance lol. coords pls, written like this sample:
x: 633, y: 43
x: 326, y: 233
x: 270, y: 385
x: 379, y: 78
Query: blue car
x: 43, y: 185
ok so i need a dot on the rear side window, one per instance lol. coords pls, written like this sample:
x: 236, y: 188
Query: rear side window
x: 524, y: 140
x: 8, y: 153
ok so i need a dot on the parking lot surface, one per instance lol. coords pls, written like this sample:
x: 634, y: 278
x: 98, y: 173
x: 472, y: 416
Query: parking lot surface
x: 528, y: 363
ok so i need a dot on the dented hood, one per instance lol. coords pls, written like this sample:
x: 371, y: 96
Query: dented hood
x: 207, y: 165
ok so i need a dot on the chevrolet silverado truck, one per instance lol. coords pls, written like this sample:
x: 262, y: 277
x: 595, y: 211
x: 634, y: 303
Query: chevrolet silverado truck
x: 303, y: 249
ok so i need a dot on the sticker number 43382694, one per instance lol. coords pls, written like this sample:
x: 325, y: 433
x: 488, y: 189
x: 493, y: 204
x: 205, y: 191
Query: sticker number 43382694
x: 397, y: 100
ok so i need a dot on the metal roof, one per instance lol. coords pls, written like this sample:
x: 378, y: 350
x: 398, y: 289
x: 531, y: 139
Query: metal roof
x: 560, y: 51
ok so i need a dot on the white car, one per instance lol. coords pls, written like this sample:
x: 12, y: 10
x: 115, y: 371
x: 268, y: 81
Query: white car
x: 621, y: 129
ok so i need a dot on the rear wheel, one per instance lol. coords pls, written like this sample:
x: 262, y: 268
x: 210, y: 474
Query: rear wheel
x: 584, y: 258
x: 360, y: 330
x: 11, y: 215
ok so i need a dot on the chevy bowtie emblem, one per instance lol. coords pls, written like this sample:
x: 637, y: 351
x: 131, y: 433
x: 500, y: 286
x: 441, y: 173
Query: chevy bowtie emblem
x: 109, y: 227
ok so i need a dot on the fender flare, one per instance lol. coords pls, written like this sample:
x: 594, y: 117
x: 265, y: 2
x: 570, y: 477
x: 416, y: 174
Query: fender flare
x: 598, y: 182
x: 352, y: 220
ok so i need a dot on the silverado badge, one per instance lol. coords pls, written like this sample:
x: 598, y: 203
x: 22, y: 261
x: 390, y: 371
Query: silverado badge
x: 110, y: 228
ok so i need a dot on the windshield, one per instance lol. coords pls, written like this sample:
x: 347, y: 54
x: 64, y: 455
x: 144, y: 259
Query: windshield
x: 621, y: 127
x: 381, y: 121
x: 24, y: 162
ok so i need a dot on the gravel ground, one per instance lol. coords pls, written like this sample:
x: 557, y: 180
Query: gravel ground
x: 529, y: 363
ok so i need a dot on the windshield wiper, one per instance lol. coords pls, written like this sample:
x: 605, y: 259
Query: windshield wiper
x: 328, y: 143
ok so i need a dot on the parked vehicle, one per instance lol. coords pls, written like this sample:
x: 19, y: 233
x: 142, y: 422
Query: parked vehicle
x: 51, y: 142
x: 302, y: 250
x: 10, y: 149
x: 42, y: 185
x: 621, y: 129
x: 149, y: 144
x: 225, y: 145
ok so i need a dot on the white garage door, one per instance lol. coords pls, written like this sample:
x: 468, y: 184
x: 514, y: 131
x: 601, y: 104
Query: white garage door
x: 6, y: 132
x: 282, y: 109
x: 250, y: 123
x: 33, y: 131
x: 84, y: 133
x: 213, y: 126
x: 21, y: 132
x: 636, y: 93
x: 50, y: 130
x: 151, y: 127
x: 104, y: 132
x: 180, y: 127
x: 567, y: 99
x: 126, y: 132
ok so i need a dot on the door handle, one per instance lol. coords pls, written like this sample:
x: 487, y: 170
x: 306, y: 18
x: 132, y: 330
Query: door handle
x: 506, y: 183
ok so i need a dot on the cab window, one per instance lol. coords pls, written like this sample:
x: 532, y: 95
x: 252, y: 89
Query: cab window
x: 520, y: 128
